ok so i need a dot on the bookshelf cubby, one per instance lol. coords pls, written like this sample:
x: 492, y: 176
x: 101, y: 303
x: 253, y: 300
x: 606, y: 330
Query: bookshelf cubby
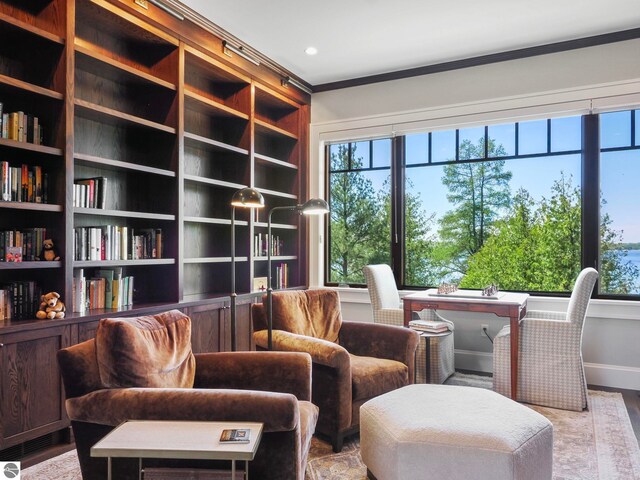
x: 176, y: 128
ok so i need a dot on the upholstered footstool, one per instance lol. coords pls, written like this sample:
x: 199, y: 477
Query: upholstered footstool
x: 449, y: 432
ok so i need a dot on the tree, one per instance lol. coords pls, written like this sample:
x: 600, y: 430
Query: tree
x: 479, y: 191
x: 354, y: 225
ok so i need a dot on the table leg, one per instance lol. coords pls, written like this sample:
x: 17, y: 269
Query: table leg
x: 246, y: 470
x: 427, y: 350
x: 233, y: 470
x: 108, y: 468
x: 515, y: 339
x: 140, y: 468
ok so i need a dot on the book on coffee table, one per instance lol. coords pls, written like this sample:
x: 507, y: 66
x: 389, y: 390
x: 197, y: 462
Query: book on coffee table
x: 235, y: 435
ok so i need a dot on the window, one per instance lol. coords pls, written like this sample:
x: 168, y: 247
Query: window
x: 359, y: 197
x: 500, y: 204
x: 620, y: 226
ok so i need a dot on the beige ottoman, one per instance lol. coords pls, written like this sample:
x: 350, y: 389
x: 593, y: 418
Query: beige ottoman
x: 448, y: 432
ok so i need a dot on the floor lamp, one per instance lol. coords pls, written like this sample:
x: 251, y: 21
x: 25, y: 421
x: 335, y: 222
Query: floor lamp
x: 244, y: 198
x: 313, y: 206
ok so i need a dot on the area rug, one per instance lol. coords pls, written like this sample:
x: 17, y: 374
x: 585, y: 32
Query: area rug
x: 598, y: 444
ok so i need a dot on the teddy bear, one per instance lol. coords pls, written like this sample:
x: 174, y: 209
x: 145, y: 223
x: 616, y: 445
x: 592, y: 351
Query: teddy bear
x: 48, y: 252
x: 51, y: 306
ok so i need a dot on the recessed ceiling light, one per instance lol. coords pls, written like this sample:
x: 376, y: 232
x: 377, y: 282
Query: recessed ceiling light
x: 311, y: 50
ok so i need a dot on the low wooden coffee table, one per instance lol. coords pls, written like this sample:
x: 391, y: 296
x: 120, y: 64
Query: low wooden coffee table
x: 177, y: 440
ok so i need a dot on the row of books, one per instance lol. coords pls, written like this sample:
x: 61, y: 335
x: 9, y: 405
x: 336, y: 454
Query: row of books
x: 113, y: 242
x: 23, y: 184
x: 21, y: 127
x: 282, y: 276
x: 90, y: 192
x: 19, y: 300
x: 260, y: 245
x: 429, y: 326
x: 107, y: 288
x: 26, y: 242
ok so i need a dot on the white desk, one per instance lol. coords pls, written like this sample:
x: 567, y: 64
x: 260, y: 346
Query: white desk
x: 506, y: 304
x: 177, y: 440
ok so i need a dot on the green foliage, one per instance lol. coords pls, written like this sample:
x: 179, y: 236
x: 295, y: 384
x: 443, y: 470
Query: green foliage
x: 478, y: 193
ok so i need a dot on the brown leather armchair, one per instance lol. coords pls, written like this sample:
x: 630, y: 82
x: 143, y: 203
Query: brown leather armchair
x: 352, y: 361
x: 269, y: 387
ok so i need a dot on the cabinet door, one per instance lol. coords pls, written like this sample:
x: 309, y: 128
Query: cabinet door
x: 207, y: 327
x: 244, y: 327
x: 31, y: 390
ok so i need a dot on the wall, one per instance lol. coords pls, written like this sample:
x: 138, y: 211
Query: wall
x: 591, y: 79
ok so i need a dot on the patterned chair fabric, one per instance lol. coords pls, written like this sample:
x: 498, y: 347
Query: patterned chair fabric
x: 387, y: 309
x: 550, y: 367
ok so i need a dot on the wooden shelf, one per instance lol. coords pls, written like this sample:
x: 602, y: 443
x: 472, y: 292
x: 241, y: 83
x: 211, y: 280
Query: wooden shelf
x: 44, y: 207
x: 274, y: 161
x: 200, y: 142
x: 279, y: 258
x: 280, y: 226
x: 122, y: 213
x: 272, y: 130
x: 89, y: 59
x: 29, y: 265
x: 31, y: 147
x: 39, y: 32
x: 213, y: 260
x: 99, y: 113
x: 123, y: 263
x: 119, y: 165
x: 29, y: 88
x: 213, y: 182
x: 214, y: 221
x: 199, y: 103
x: 274, y: 193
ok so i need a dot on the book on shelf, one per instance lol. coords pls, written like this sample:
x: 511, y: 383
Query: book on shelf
x: 114, y: 242
x: 22, y: 184
x: 19, y: 300
x: 108, y: 288
x: 261, y: 245
x: 235, y: 435
x: 90, y: 192
x: 28, y: 241
x: 21, y: 127
x: 282, y: 276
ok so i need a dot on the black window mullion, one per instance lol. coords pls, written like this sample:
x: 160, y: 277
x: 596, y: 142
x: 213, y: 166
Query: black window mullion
x: 590, y: 191
x: 548, y: 135
x: 398, y: 162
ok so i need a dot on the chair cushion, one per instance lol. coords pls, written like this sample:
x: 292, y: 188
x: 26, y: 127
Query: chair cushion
x: 313, y: 313
x: 371, y: 377
x: 146, y: 351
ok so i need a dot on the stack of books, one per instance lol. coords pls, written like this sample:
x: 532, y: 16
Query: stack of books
x: 429, y: 326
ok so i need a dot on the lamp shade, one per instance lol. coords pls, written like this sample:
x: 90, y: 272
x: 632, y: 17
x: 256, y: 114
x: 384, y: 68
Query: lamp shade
x: 314, y: 206
x: 247, y: 198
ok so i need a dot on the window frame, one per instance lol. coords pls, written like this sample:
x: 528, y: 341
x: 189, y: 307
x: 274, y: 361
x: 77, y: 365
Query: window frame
x: 590, y: 193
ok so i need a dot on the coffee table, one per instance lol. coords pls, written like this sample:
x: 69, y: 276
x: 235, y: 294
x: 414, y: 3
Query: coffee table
x: 177, y: 440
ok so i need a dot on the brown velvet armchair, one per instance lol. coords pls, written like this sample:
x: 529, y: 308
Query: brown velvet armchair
x: 352, y: 361
x: 143, y: 368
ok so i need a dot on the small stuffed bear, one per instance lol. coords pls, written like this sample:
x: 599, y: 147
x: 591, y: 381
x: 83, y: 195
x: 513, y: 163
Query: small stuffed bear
x: 51, y: 306
x: 48, y: 252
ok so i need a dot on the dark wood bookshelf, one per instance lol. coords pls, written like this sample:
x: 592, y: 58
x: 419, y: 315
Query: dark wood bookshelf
x: 175, y: 127
x: 29, y: 265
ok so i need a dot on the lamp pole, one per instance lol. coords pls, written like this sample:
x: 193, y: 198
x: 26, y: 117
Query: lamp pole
x: 245, y: 198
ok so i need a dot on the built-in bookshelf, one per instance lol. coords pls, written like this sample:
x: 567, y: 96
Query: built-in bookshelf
x: 168, y: 128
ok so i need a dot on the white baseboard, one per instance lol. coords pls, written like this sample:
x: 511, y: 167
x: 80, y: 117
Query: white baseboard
x: 597, y: 374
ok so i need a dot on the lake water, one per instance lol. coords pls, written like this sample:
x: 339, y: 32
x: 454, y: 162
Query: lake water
x: 633, y: 256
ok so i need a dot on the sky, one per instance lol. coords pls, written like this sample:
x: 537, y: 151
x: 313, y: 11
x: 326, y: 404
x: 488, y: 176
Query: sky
x: 620, y: 170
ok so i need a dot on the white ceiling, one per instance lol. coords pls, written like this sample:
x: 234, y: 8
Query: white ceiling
x: 357, y: 38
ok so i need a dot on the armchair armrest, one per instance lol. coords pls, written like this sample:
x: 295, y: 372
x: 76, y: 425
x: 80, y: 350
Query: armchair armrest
x: 278, y: 411
x: 380, y: 341
x: 548, y: 337
x: 323, y: 352
x: 284, y: 372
